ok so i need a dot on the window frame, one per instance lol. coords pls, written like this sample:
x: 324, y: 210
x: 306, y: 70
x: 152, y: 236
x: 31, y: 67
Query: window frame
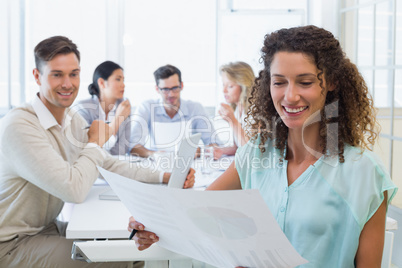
x: 350, y: 44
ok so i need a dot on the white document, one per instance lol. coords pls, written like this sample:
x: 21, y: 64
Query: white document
x: 222, y: 228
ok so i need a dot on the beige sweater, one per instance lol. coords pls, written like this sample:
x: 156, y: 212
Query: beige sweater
x: 41, y: 169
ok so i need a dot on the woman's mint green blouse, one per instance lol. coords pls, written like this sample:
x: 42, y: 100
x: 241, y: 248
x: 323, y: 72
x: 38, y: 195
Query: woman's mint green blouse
x: 323, y: 212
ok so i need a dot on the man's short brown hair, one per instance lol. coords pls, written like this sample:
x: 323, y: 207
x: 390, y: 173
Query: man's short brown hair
x: 47, y: 49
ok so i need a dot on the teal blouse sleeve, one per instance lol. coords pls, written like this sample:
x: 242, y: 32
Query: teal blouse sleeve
x: 361, y: 181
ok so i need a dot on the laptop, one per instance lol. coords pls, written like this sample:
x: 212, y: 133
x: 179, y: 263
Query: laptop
x: 183, y: 160
x: 181, y: 165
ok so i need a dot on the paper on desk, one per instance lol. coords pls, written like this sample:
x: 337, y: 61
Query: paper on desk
x: 222, y: 228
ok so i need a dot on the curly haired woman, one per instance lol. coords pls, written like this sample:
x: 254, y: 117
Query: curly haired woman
x: 314, y: 124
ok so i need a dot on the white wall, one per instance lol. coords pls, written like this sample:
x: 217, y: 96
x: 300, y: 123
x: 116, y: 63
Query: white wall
x: 324, y: 13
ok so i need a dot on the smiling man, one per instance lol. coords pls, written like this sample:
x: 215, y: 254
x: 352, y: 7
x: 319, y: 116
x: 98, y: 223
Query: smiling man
x: 58, y: 81
x: 160, y: 124
x: 47, y: 157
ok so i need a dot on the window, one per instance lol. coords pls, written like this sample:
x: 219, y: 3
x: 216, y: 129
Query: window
x: 372, y: 38
x: 177, y: 32
x: 198, y: 41
x: 82, y: 21
x: 141, y: 37
x: 4, y: 46
x: 30, y: 21
x: 10, y: 53
x: 242, y: 28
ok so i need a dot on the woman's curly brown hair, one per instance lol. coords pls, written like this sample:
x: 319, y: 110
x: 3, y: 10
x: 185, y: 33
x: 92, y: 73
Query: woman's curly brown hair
x: 348, y: 106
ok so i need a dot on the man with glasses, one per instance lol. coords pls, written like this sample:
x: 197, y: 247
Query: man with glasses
x: 160, y: 124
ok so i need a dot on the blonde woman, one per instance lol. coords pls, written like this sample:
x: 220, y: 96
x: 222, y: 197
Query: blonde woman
x: 238, y: 79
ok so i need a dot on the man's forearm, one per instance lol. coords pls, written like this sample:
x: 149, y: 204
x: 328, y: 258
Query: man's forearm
x: 141, y: 151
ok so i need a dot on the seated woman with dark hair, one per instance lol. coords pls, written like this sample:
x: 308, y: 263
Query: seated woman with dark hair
x: 107, y: 104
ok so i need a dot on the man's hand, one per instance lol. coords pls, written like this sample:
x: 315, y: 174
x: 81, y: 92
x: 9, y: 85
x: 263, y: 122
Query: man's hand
x: 197, y: 153
x: 189, y: 182
x: 218, y: 152
x: 141, y: 151
x: 143, y: 239
x: 99, y: 132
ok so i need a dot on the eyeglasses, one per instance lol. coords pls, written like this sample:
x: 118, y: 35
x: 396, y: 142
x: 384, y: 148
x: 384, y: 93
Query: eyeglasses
x: 167, y: 89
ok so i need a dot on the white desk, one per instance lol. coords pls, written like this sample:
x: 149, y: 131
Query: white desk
x: 88, y: 222
x: 105, y: 223
x: 103, y: 220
